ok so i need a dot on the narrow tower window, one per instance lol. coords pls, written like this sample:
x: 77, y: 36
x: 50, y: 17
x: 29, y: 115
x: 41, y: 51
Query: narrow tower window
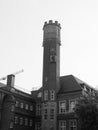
x: 52, y: 94
x: 46, y: 95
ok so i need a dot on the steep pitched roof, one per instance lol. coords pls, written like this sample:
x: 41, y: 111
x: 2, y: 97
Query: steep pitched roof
x: 2, y: 85
x: 69, y: 83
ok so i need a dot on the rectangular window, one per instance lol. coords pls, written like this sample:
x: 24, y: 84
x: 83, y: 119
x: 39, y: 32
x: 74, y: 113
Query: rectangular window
x: 21, y: 105
x: 11, y: 124
x: 46, y: 95
x: 17, y: 104
x: 51, y: 128
x: 51, y: 114
x: 37, y: 126
x: 26, y: 121
x: 16, y: 120
x: 72, y: 104
x: 26, y: 106
x: 72, y: 125
x: 21, y: 121
x: 31, y: 122
x: 62, y: 107
x: 62, y: 125
x: 38, y: 109
x: 12, y: 108
x: 52, y: 94
x: 31, y: 107
x: 45, y: 114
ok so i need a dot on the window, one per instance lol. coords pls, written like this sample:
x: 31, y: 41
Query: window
x: 72, y: 104
x: 62, y: 125
x: 21, y: 121
x: 52, y: 58
x: 11, y: 124
x: 38, y: 109
x: 72, y: 125
x: 39, y: 94
x: 51, y: 114
x: 12, y: 108
x: 45, y: 114
x: 17, y: 104
x: 51, y: 128
x: 62, y: 107
x: 26, y: 121
x: 26, y: 106
x: 52, y: 95
x: 31, y: 122
x: 46, y: 95
x: 31, y: 107
x: 21, y: 105
x: 16, y: 120
x: 37, y: 126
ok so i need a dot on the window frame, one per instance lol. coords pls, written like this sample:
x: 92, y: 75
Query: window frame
x: 70, y: 109
x: 26, y: 121
x: 27, y: 106
x: 52, y: 95
x: 62, y: 111
x: 62, y: 127
x: 16, y: 120
x: 45, y: 95
x: 52, y: 114
x: 11, y: 125
x: 31, y: 107
x: 37, y: 126
x: 73, y: 125
x: 45, y: 114
x: 38, y: 109
x: 21, y: 121
x: 12, y: 108
x: 21, y: 105
x: 31, y: 123
x: 17, y: 104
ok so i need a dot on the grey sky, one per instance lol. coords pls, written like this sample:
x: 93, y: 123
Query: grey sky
x: 21, y: 36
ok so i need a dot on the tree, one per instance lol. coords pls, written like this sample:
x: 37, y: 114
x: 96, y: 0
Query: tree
x: 87, y: 112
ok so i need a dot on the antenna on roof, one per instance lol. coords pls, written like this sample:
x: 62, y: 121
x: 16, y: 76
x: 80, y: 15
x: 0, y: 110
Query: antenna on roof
x: 15, y: 73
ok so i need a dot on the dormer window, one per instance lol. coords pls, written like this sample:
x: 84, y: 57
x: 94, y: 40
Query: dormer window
x: 39, y: 95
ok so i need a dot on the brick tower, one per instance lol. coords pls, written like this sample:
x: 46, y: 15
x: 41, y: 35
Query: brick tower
x: 51, y: 73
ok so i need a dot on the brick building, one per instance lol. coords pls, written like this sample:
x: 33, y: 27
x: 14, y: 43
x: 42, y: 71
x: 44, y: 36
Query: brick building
x: 56, y: 99
x: 52, y: 106
x: 17, y: 109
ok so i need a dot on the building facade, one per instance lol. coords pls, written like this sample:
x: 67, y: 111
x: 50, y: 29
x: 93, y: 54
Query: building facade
x: 51, y: 107
x: 56, y: 99
x: 17, y: 109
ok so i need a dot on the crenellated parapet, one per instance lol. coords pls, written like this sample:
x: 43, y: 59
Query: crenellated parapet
x: 52, y: 23
x: 51, y: 31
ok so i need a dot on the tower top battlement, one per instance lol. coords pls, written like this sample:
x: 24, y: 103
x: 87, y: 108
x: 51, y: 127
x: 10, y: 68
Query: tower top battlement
x: 51, y: 30
x: 52, y: 23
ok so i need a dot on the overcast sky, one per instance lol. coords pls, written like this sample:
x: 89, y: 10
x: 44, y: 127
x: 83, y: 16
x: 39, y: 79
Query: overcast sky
x: 21, y: 37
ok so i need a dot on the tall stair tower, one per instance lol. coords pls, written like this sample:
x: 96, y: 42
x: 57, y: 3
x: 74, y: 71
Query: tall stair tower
x: 51, y: 73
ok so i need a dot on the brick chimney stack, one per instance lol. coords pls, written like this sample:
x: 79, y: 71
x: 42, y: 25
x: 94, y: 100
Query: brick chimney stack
x: 10, y: 80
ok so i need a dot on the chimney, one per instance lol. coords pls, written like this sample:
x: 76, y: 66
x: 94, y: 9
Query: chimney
x: 10, y: 80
